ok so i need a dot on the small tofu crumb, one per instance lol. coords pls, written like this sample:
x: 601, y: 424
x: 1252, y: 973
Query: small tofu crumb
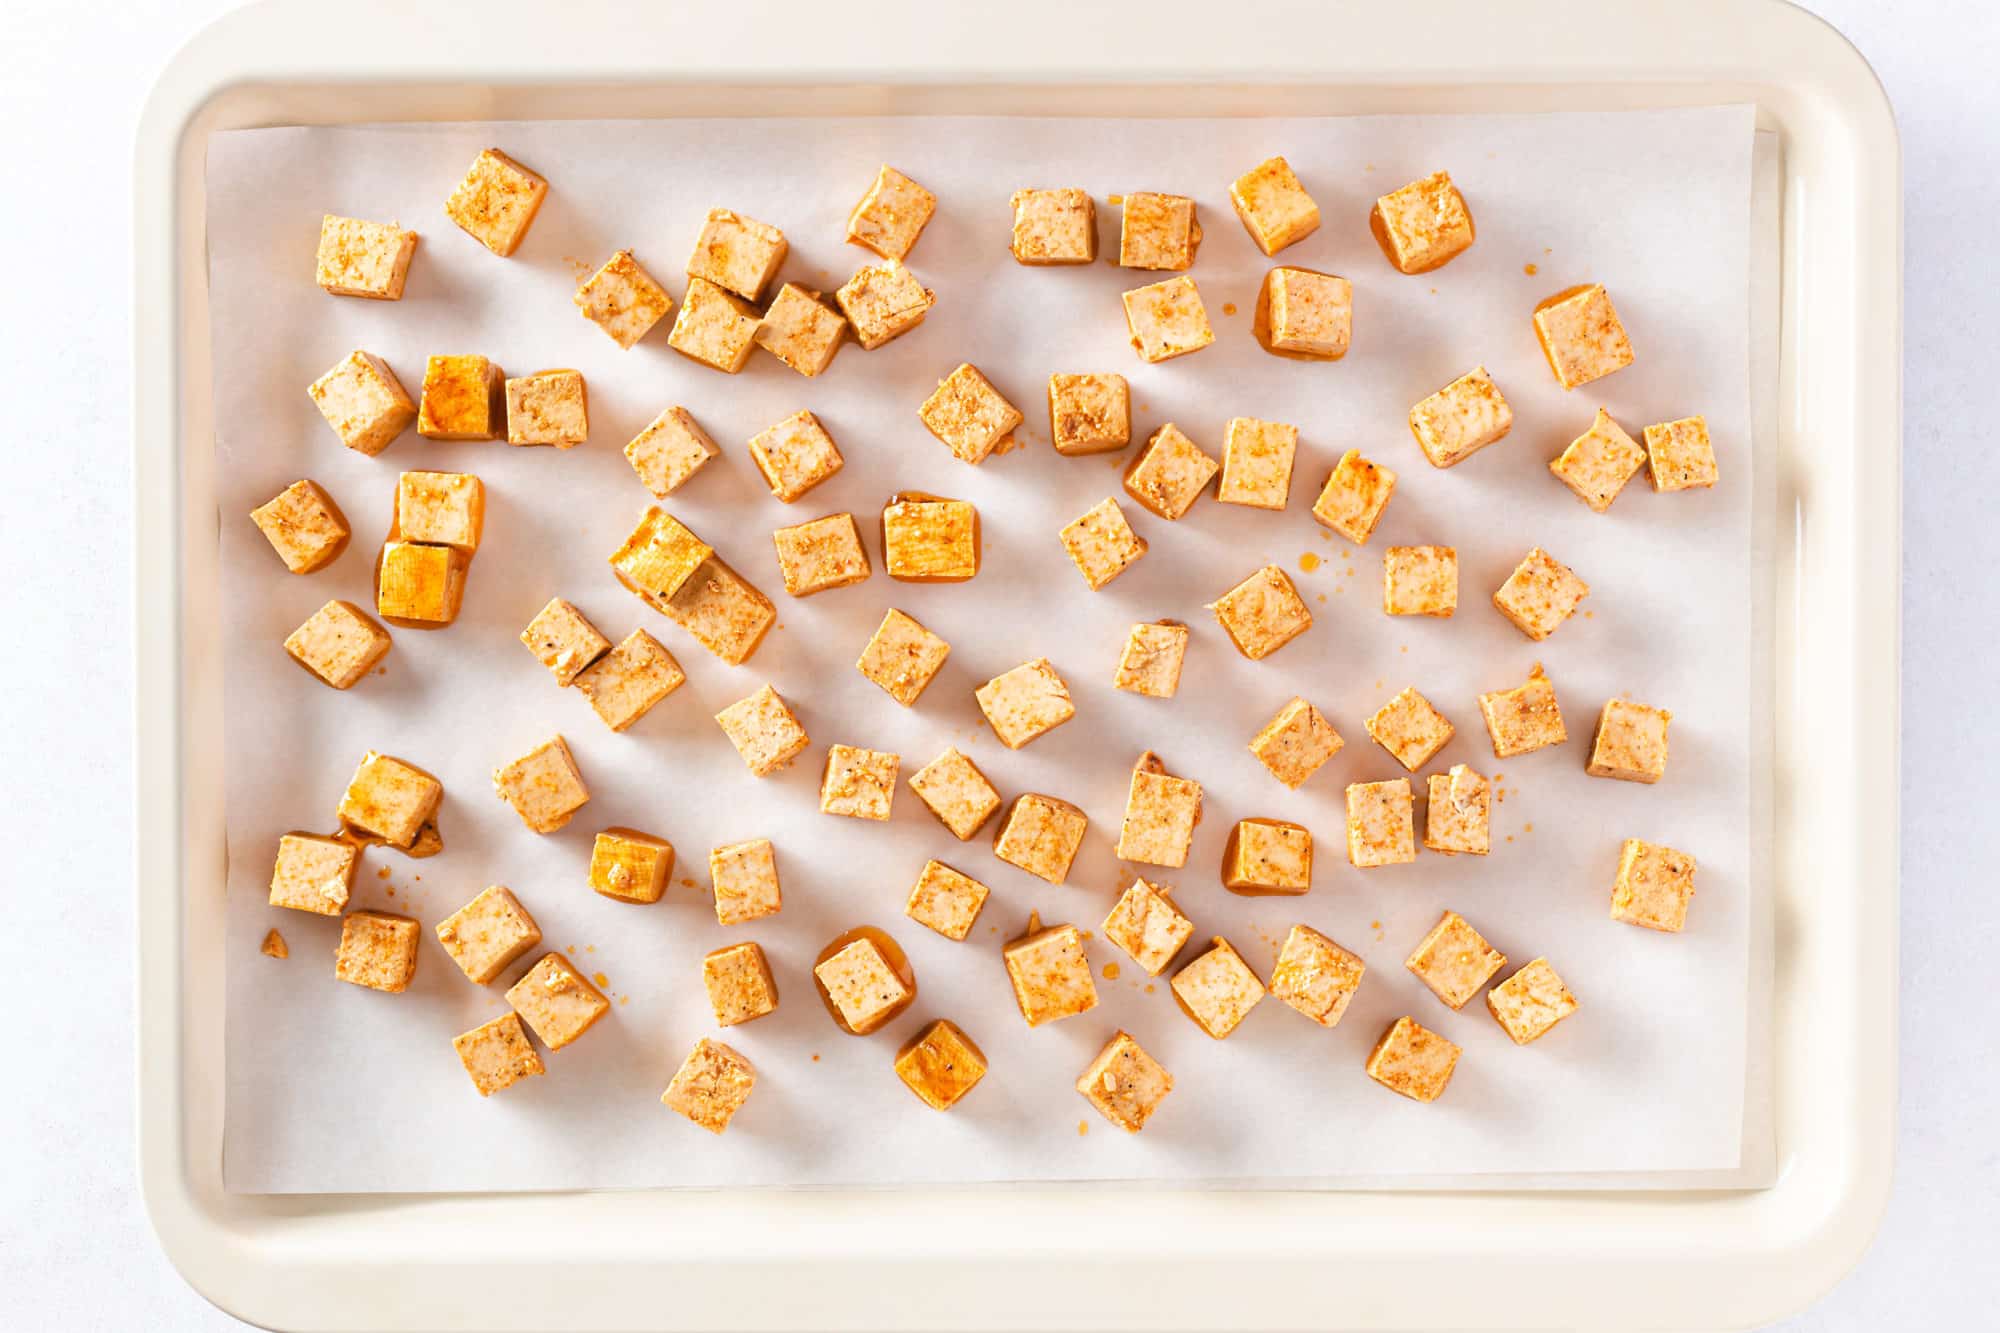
x: 274, y: 945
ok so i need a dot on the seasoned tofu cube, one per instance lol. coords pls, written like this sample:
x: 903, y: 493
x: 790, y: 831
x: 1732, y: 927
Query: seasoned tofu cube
x: 465, y: 398
x: 1151, y: 662
x: 860, y: 784
x: 1267, y: 856
x: 1218, y: 990
x: 1296, y: 742
x: 795, y: 455
x: 1458, y: 816
x: 1524, y: 718
x: 1316, y: 976
x: 801, y: 330
x: 339, y: 643
x: 946, y: 900
x: 543, y: 786
x: 1054, y: 227
x: 1454, y: 960
x: 563, y: 640
x: 968, y: 415
x: 497, y: 201
x: 1257, y: 463
x: 1409, y: 728
x: 1263, y: 613
x: 364, y: 402
x: 1540, y: 594
x: 669, y: 451
x: 627, y: 681
x: 720, y: 608
x: 314, y: 874
x: 891, y: 215
x: 485, y: 936
x: 389, y: 799
x: 744, y: 877
x: 1160, y: 814
x: 1275, y: 209
x: 1147, y: 925
x: 1158, y: 231
x: 711, y: 1085
x: 1167, y: 319
x: 1653, y: 887
x: 1599, y: 462
x: 1051, y: 975
x: 1041, y: 835
x: 377, y: 950
x: 631, y: 866
x: 548, y: 407
x: 1412, y: 1060
x: 1460, y: 419
x: 940, y: 1064
x: 901, y: 657
x: 1581, y: 336
x: 1304, y: 314
x: 660, y: 556
x: 738, y: 254
x: 304, y: 526
x: 952, y: 788
x: 1089, y: 413
x: 1170, y: 473
x: 1424, y: 225
x: 1530, y: 1002
x: 1381, y: 824
x: 622, y: 299
x: 714, y: 327
x: 822, y: 554
x: 739, y: 985
x: 497, y: 1055
x: 1355, y: 494
x: 930, y: 539
x: 764, y: 731
x: 440, y: 509
x: 866, y: 981
x: 1420, y: 580
x: 1679, y: 456
x: 1029, y: 701
x: 1101, y: 544
x: 557, y: 1001
x: 1125, y: 1084
x: 883, y: 302
x: 1631, y: 742
x: 369, y: 259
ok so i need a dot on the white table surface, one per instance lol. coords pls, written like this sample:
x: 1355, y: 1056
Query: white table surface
x: 76, y: 1251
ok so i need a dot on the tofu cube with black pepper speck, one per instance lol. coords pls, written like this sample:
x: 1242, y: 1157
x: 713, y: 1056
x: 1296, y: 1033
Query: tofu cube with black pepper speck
x: 304, y: 526
x: 946, y: 900
x: 1170, y: 473
x: 711, y: 1086
x: 883, y: 302
x: 738, y: 254
x: 1296, y: 742
x: 1041, y: 835
x: 1101, y: 543
x: 1089, y: 413
x: 1025, y: 703
x: 901, y: 657
x: 1525, y: 718
x: 367, y: 259
x: 952, y: 788
x: 891, y: 215
x: 543, y: 786
x: 1167, y: 319
x: 625, y: 683
x: 801, y: 330
x: 313, y: 874
x: 1160, y: 814
x: 1631, y: 742
x: 465, y: 398
x: 739, y: 985
x: 1540, y: 594
x: 485, y: 936
x: 1581, y: 335
x: 795, y: 455
x: 1529, y: 1003
x: 940, y: 1064
x: 744, y: 879
x: 1458, y: 813
x: 1420, y: 581
x: 389, y: 799
x: 1218, y: 990
x: 364, y: 402
x: 1454, y: 960
x: 714, y: 327
x: 1412, y: 1060
x: 1355, y: 494
x: 1381, y: 824
x: 1054, y: 227
x: 1257, y: 463
x: 563, y: 640
x: 377, y: 950
x: 968, y: 415
x: 1267, y: 856
x: 1679, y: 456
x: 1599, y: 462
x: 1273, y: 206
x: 860, y: 784
x: 1422, y: 226
x: 557, y: 1001
x: 823, y: 554
x: 1158, y: 231
x: 1410, y: 729
x: 1147, y: 925
x: 1125, y: 1084
x: 622, y: 299
x: 764, y: 731
x: 339, y: 643
x: 497, y: 201
x: 1151, y: 662
x: 1653, y: 886
x: 548, y: 407
x: 669, y: 451
x: 1263, y: 613
x: 497, y: 1055
x: 1051, y: 975
x: 1462, y: 418
x: 631, y: 866
x: 1316, y: 976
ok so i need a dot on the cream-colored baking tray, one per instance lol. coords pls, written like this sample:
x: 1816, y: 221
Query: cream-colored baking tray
x: 1072, y: 1257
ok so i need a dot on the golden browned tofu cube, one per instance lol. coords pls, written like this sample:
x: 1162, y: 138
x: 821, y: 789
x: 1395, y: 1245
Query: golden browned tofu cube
x: 1304, y: 314
x: 1653, y: 887
x: 1355, y: 494
x: 1381, y: 824
x: 1025, y: 703
x: 485, y: 936
x: 1581, y: 336
x: 1146, y: 924
x: 440, y: 509
x: 1158, y: 231
x: 631, y: 866
x: 389, y: 799
x: 1167, y: 319
x: 1460, y: 419
x: 1101, y: 544
x: 744, y: 878
x: 1412, y: 1060
x: 497, y: 1055
x: 557, y: 1001
x: 820, y: 555
x: 720, y: 608
x: 622, y: 299
x: 795, y: 455
x: 339, y: 643
x: 865, y: 982
x: 714, y: 327
x: 1170, y: 473
x: 764, y: 731
x: 1420, y: 580
x: 313, y: 874
x: 1525, y: 718
x: 1151, y: 662
x: 1267, y: 856
x: 883, y: 302
x: 1631, y: 742
x: 497, y: 201
x: 1409, y: 728
x: 1679, y: 456
x: 1217, y: 990
x: 930, y: 539
x: 1274, y: 207
x: 737, y: 253
x: 669, y: 451
x: 377, y: 950
x: 1599, y: 462
x: 1454, y: 960
x: 952, y: 788
x: 1051, y: 975
x: 968, y: 415
x: 548, y: 407
x: 1125, y: 1084
x: 563, y: 641
x: 543, y: 786
x: 940, y: 1064
x: 465, y: 398
x: 1296, y: 742
x: 1054, y: 227
x: 1263, y: 613
x: 1160, y: 814
x: 304, y: 526
x: 369, y: 259
x: 1458, y: 815
x: 1257, y: 463
x: 626, y: 682
x: 800, y: 330
x: 891, y: 215
x: 739, y: 984
x: 1424, y: 225
x: 711, y: 1086
x: 946, y: 900
x: 1316, y: 976
x: 1530, y: 1002
x: 364, y: 403
x: 860, y: 784
x: 1041, y: 835
x: 901, y: 657
x: 1540, y: 594
x: 660, y: 556
x: 1089, y: 413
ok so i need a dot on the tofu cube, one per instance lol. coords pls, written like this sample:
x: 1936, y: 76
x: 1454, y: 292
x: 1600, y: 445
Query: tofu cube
x: 543, y: 786
x: 795, y: 455
x: 660, y: 556
x: 485, y: 936
x: 930, y: 539
x: 1170, y: 473
x: 1041, y: 835
x: 764, y: 731
x: 1263, y: 613
x: 720, y: 608
x: 1158, y: 231
x: 497, y: 201
x: 622, y: 299
x: 1167, y: 319
x: 1460, y: 419
x: 1304, y: 315
x: 946, y: 900
x: 1599, y: 462
x: 1412, y: 1060
x: 377, y: 950
x: 823, y: 554
x: 440, y: 509
x: 339, y: 643
x: 1257, y: 463
x: 738, y: 254
x: 1296, y: 742
x: 314, y: 874
x: 1089, y: 413
x: 865, y: 982
x: 1540, y: 594
x: 1420, y: 580
x: 1101, y: 544
x: 389, y: 799
x: 1160, y: 814
x: 952, y: 788
x: 1424, y: 225
x: 711, y: 1086
x: 1454, y: 960
x: 1530, y: 1002
x: 548, y: 407
x: 368, y: 259
x: 968, y: 415
x: 626, y: 682
x: 1147, y: 925
x: 744, y: 878
x: 465, y: 398
x: 669, y: 451
x: 1316, y: 976
x: 902, y: 657
x: 563, y: 640
x: 364, y: 402
x: 883, y: 302
x: 1218, y: 990
x: 631, y: 866
x: 714, y: 327
x: 497, y: 1055
x: 1653, y: 887
x: 1381, y: 824
x: 1267, y: 856
x: 800, y: 330
x: 940, y: 1064
x: 1458, y: 814
x: 1679, y: 456
x: 739, y: 985
x: 1054, y: 227
x: 1631, y: 742
x: 1525, y: 718
x: 1581, y: 336
x: 557, y: 1001
x: 1355, y: 494
x: 1125, y: 1084
x: 1027, y: 702
x: 1409, y: 728
x: 1273, y: 206
x: 1151, y: 662
x: 1051, y: 975
x: 860, y: 784
x: 304, y: 526
x: 891, y: 215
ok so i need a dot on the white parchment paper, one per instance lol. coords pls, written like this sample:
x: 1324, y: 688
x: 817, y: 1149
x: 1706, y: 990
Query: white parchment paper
x: 336, y: 1088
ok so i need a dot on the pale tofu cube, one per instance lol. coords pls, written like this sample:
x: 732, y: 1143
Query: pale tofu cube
x: 1054, y: 227
x: 1412, y: 1060
x: 952, y: 788
x: 1540, y: 594
x: 543, y: 786
x: 563, y: 640
x: 1041, y: 835
x: 1316, y: 976
x: 1599, y: 462
x: 711, y: 1086
x: 1167, y: 319
x: 1160, y: 814
x: 364, y: 402
x: 548, y: 407
x: 368, y: 259
x: 1158, y: 231
x: 1424, y: 225
x: 1029, y: 701
x: 1257, y: 463
x: 1653, y: 886
x: 339, y: 643
x: 860, y: 784
x: 1381, y: 824
x: 744, y: 879
x: 1458, y: 816
x: 1101, y: 544
x: 968, y: 415
x: 1525, y: 718
x: 714, y: 327
x: 1273, y: 206
x: 1454, y: 960
x: 1147, y: 925
x: 627, y: 681
x: 1462, y: 418
x: 440, y: 509
x: 1581, y: 336
x: 465, y: 398
x: 1089, y: 413
x: 631, y: 866
x: 377, y: 950
x: 823, y: 554
x: 497, y: 1055
x: 883, y: 302
x: 902, y: 657
x: 737, y: 253
x: 389, y: 799
x: 622, y: 299
x: 660, y: 556
x: 304, y: 526
x: 1410, y: 728
x: 1631, y: 742
x: 946, y: 900
x: 1218, y: 990
x: 485, y: 936
x: 720, y: 608
x: 795, y: 455
x: 1679, y: 455
x: 930, y: 539
x: 940, y: 1064
x: 891, y: 215
x: 314, y: 874
x: 1267, y: 856
x: 557, y: 1001
x: 1151, y: 662
x: 1125, y: 1084
x: 739, y: 985
x: 801, y: 330
x: 1530, y: 1002
x: 669, y: 451
x: 863, y: 984
x: 1296, y: 742
x: 1420, y: 580
x: 764, y: 731
x: 1355, y: 494
x: 1051, y: 975
x: 1263, y: 613
x: 1304, y: 314
x: 1170, y: 473
x: 497, y: 201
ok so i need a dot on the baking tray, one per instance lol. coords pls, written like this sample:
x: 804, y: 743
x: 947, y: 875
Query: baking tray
x: 1050, y: 1256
